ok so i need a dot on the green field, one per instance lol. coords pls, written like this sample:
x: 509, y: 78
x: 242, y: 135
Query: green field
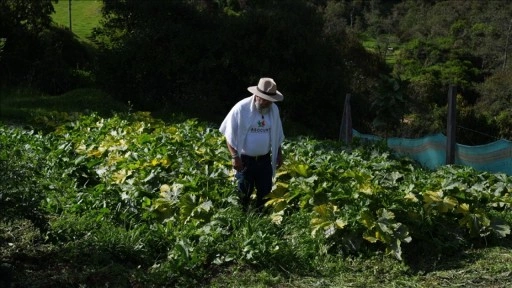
x: 85, y: 15
x: 29, y: 108
x: 132, y: 201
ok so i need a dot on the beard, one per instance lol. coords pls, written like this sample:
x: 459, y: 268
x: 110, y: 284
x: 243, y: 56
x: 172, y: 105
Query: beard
x: 261, y: 109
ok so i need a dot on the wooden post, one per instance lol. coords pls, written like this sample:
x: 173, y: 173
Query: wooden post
x: 69, y: 12
x: 451, y: 125
x: 346, y: 122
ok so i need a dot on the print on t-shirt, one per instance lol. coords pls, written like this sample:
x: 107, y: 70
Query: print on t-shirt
x: 258, y: 139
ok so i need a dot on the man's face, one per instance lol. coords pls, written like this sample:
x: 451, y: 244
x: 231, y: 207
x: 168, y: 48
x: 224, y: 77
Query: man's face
x: 261, y: 103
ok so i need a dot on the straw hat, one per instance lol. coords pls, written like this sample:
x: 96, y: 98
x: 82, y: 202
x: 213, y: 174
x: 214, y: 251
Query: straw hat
x: 267, y: 89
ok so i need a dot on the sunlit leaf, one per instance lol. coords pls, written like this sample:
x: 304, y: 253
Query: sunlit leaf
x: 463, y: 208
x: 395, y: 176
x: 501, y: 229
x: 278, y: 204
x: 385, y: 214
x: 448, y: 204
x: 366, y: 188
x: 430, y: 197
x: 324, y: 211
x: 340, y: 224
x: 120, y: 176
x: 411, y: 197
x: 301, y: 169
x: 367, y: 219
x: 165, y: 188
x: 317, y: 224
x: 206, y: 206
x: 311, y: 179
x: 277, y: 218
x: 279, y: 190
x: 370, y: 237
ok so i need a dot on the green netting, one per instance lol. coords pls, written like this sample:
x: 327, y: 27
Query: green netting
x: 430, y: 152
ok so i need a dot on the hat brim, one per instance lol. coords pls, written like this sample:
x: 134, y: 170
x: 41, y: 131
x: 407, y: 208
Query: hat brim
x: 272, y: 98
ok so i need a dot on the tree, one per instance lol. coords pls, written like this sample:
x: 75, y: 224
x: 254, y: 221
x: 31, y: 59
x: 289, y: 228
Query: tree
x: 389, y: 105
x: 184, y: 57
x: 2, y: 44
x: 21, y: 23
x: 30, y: 16
x: 36, y: 53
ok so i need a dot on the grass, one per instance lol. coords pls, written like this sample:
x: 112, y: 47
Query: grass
x: 35, y: 262
x: 85, y: 15
x: 372, y: 45
x: 26, y: 106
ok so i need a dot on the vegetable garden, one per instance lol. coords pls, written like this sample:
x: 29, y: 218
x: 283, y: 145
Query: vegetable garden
x: 159, y: 197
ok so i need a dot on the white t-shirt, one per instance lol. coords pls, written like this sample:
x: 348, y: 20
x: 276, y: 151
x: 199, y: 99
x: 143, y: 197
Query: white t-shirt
x: 257, y: 142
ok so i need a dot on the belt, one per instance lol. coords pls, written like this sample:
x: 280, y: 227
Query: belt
x: 256, y: 158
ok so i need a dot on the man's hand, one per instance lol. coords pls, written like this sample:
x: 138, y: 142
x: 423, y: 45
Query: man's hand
x: 279, y: 161
x: 237, y: 164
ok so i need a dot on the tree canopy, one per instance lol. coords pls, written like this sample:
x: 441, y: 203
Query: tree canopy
x: 396, y: 58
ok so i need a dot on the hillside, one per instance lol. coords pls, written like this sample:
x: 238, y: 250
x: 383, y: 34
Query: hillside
x: 85, y: 15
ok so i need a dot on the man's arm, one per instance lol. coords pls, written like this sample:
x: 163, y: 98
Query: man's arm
x: 232, y: 150
x: 236, y: 161
x: 279, y: 157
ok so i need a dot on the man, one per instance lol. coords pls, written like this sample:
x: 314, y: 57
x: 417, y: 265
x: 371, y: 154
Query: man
x: 254, y: 135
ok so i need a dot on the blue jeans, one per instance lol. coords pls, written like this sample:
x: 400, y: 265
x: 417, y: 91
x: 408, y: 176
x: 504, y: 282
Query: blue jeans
x: 257, y: 173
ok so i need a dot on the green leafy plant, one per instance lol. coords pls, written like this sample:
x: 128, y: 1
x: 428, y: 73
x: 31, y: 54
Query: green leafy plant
x: 133, y: 184
x: 22, y: 155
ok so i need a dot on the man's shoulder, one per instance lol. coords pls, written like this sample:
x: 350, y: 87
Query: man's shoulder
x: 245, y: 100
x: 243, y: 103
x: 274, y: 108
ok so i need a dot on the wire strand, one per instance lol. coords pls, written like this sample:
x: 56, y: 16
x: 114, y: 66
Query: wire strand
x: 482, y: 133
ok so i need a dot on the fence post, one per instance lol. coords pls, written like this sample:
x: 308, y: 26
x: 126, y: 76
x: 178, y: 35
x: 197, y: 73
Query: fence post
x: 452, y: 125
x: 69, y: 12
x: 346, y: 122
